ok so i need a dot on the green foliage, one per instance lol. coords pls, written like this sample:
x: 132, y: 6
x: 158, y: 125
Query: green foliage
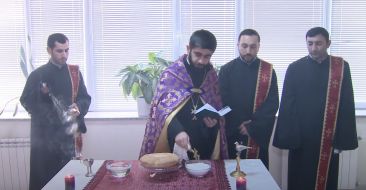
x: 141, y: 79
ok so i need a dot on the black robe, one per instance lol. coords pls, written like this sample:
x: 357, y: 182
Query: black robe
x: 51, y: 146
x: 201, y: 137
x: 300, y: 121
x: 238, y: 82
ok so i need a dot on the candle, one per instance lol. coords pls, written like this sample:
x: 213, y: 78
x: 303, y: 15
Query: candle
x: 69, y: 182
x: 241, y: 183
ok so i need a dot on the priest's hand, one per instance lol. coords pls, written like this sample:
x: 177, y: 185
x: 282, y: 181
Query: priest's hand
x: 44, y: 88
x: 243, y: 127
x: 74, y: 110
x: 209, y: 122
x: 182, y: 139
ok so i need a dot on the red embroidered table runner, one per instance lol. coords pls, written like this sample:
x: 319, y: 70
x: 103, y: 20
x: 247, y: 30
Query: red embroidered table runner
x: 139, y: 178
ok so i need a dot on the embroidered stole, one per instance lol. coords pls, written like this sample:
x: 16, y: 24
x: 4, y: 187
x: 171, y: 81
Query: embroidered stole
x: 264, y: 79
x: 330, y: 120
x: 74, y: 76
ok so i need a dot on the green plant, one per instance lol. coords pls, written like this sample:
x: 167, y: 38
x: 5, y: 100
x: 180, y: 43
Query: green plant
x: 141, y: 79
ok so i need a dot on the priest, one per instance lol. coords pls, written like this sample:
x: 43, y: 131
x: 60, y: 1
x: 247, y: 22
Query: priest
x: 51, y: 90
x: 248, y: 85
x: 184, y: 87
x: 317, y: 115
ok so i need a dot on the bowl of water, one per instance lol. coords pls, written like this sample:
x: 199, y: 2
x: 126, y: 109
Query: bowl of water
x: 118, y: 169
x: 198, y: 168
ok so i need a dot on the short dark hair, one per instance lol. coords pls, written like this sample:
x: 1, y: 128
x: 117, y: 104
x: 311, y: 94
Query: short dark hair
x: 249, y: 32
x: 203, y: 39
x: 318, y: 30
x: 56, y: 37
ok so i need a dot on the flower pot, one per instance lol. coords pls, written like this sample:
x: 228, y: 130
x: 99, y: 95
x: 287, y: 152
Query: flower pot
x: 143, y: 108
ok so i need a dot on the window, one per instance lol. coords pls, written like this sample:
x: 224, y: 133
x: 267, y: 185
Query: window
x: 348, y: 30
x: 282, y: 26
x: 124, y: 32
x: 12, y: 37
x: 54, y: 16
x: 216, y: 16
x: 107, y: 35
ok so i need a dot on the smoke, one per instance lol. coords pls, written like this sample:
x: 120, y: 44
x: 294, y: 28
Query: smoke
x: 61, y: 109
x: 69, y: 123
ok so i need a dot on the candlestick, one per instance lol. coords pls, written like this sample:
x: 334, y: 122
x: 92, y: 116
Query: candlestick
x: 238, y: 172
x: 69, y: 182
x: 241, y: 183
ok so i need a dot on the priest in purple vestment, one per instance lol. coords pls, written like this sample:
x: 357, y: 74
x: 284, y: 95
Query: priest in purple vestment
x: 185, y: 86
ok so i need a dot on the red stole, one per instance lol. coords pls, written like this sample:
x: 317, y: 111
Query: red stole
x: 263, y: 85
x: 330, y: 120
x: 74, y: 76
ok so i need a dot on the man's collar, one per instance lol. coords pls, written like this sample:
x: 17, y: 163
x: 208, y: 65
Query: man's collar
x: 313, y: 60
x: 248, y: 62
x: 57, y: 65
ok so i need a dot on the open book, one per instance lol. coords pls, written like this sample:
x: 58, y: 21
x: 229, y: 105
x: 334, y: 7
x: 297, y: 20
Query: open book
x: 208, y: 111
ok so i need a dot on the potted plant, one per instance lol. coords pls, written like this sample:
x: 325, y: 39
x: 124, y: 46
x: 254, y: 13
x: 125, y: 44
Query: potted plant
x: 140, y: 80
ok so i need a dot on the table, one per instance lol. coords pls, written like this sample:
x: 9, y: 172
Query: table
x: 258, y: 177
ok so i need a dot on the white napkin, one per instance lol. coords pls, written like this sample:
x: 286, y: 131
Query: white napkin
x: 180, y: 152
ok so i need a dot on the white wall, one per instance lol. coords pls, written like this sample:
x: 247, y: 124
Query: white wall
x: 361, y: 166
x: 121, y: 138
x: 114, y: 139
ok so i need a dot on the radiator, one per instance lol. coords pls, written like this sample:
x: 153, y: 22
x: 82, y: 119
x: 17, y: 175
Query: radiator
x: 347, y: 169
x: 14, y: 163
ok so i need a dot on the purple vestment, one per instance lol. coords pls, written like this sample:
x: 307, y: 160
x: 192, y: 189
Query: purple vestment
x: 174, y: 89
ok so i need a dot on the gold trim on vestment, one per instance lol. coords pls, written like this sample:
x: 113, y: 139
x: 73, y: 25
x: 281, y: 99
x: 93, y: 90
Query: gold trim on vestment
x: 163, y: 145
x: 216, y: 151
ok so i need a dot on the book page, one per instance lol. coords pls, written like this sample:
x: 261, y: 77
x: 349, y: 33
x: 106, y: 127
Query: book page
x: 224, y: 111
x: 207, y: 107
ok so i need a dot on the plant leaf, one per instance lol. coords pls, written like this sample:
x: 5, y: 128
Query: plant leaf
x: 147, y: 92
x: 128, y: 83
x: 135, y: 92
x: 143, y: 77
x: 16, y: 109
x: 23, y: 62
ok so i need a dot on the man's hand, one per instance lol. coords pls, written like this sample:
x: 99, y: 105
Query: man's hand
x: 44, y: 88
x: 209, y: 122
x: 182, y: 139
x: 74, y: 110
x: 243, y: 127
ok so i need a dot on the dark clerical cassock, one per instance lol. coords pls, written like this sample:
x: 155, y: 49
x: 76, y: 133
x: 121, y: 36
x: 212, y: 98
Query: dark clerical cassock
x: 242, y: 86
x: 316, y: 117
x: 51, y: 146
